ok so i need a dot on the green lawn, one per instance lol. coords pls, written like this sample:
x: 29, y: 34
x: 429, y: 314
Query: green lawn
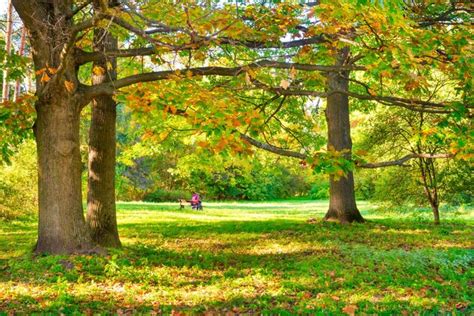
x: 250, y: 258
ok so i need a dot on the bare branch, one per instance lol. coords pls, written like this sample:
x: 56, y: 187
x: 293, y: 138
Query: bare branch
x: 401, y: 161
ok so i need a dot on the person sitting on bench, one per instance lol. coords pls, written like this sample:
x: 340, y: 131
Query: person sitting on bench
x: 196, y: 202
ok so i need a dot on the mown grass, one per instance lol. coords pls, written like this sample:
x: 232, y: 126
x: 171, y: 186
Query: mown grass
x: 249, y: 258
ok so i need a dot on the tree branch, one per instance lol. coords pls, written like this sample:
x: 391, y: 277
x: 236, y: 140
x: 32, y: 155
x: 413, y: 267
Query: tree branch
x: 401, y: 161
x: 271, y: 148
x: 110, y: 87
x: 83, y: 57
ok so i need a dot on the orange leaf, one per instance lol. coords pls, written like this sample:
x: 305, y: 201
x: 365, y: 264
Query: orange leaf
x: 45, y: 77
x: 69, y: 86
x: 40, y: 71
x: 52, y: 70
x: 350, y: 310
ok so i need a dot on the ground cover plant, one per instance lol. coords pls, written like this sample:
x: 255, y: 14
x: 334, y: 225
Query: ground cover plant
x: 264, y: 257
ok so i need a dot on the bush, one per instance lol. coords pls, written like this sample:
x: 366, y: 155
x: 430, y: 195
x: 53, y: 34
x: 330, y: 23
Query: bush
x: 319, y: 190
x: 18, y: 183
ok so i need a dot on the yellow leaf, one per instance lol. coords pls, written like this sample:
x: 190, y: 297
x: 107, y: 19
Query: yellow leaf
x: 292, y: 73
x: 251, y: 73
x: 284, y: 84
x: 98, y: 71
x: 109, y: 65
x: 69, y: 86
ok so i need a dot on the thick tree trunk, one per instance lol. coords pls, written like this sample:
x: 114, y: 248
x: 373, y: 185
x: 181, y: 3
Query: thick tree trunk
x: 342, y: 204
x: 101, y: 210
x: 62, y: 228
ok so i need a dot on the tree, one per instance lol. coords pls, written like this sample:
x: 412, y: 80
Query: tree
x: 101, y: 212
x: 397, y: 131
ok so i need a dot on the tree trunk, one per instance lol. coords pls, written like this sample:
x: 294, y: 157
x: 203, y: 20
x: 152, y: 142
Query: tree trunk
x: 101, y: 210
x: 8, y: 44
x: 342, y: 204
x: 62, y: 228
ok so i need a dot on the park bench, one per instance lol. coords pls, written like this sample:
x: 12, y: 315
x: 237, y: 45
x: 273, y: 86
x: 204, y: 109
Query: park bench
x: 184, y: 202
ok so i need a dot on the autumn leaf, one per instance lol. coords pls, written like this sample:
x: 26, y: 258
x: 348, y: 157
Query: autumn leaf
x: 40, y: 71
x: 52, y: 70
x: 247, y: 78
x: 284, y: 84
x: 98, y: 71
x: 350, y: 309
x: 69, y: 86
x: 292, y: 73
x: 395, y: 64
x: 45, y: 77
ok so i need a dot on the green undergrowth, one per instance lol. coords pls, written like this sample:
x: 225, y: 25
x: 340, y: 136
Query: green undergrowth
x: 246, y: 258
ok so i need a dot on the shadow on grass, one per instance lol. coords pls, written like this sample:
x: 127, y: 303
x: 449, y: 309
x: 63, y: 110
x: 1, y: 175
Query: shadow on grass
x: 306, y: 302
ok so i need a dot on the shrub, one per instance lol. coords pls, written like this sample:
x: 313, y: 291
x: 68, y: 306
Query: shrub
x: 18, y: 183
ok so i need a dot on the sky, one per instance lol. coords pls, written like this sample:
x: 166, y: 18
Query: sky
x: 3, y: 6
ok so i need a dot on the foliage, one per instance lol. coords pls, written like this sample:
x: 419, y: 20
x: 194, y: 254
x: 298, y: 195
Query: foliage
x: 18, y: 180
x: 399, y: 132
x: 260, y: 258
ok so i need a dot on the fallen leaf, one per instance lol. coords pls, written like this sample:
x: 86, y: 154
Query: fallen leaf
x: 350, y: 309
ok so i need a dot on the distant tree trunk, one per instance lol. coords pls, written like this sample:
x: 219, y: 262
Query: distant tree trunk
x: 8, y: 45
x: 430, y: 185
x: 101, y: 210
x: 20, y: 52
x: 342, y: 203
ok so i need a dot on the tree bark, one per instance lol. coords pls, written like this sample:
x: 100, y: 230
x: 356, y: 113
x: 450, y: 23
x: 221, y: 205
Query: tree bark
x: 62, y: 228
x: 101, y: 209
x: 342, y: 203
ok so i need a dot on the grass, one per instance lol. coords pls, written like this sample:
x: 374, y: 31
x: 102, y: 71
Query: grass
x: 250, y: 258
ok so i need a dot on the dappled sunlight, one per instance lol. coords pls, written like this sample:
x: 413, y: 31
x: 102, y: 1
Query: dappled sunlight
x: 243, y: 261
